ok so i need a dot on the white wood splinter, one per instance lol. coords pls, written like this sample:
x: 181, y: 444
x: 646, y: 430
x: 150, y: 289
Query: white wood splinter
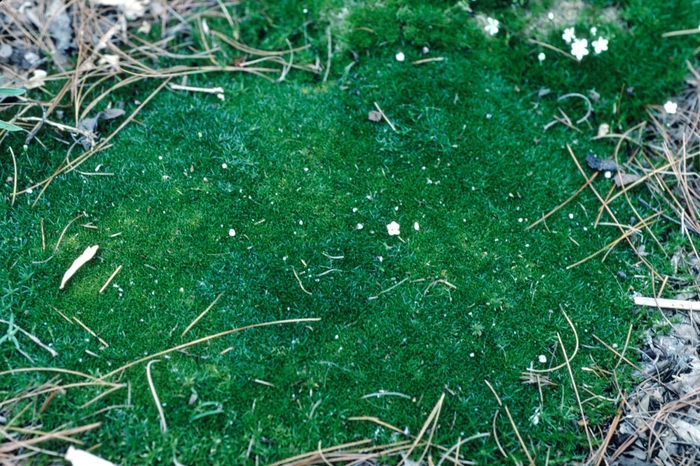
x: 79, y: 262
x: 667, y: 303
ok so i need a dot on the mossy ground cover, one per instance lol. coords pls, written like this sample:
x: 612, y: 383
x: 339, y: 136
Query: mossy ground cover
x: 309, y: 184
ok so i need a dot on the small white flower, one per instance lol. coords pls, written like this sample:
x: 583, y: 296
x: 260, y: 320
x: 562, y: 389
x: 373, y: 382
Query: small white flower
x: 670, y: 107
x: 568, y: 35
x: 579, y: 48
x: 400, y: 56
x: 360, y: 226
x: 571, y: 216
x: 542, y: 358
x: 232, y: 232
x: 393, y: 229
x: 550, y: 16
x: 541, y: 56
x: 608, y: 175
x: 492, y: 26
x: 416, y: 226
x: 594, y: 31
x: 224, y: 166
x: 600, y: 45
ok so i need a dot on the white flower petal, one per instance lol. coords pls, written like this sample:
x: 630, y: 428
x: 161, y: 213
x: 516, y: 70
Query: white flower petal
x: 569, y: 35
x: 393, y: 229
x: 600, y: 45
x: 670, y: 107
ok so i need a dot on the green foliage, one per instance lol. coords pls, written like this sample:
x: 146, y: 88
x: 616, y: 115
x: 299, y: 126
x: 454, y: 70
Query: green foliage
x: 9, y: 92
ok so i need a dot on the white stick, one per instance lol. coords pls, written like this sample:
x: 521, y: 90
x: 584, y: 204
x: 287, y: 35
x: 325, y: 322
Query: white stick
x: 667, y: 303
x: 207, y: 90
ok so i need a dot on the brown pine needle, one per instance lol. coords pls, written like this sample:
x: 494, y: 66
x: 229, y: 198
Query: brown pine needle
x: 14, y: 179
x: 205, y: 339
x: 578, y: 398
x: 551, y: 47
x: 573, y: 196
x: 385, y: 117
x: 567, y: 362
x: 159, y: 406
x: 432, y: 418
x: 520, y: 439
x: 58, y: 243
x: 202, y: 314
x: 109, y: 280
x: 104, y: 343
x: 376, y: 421
x: 300, y: 282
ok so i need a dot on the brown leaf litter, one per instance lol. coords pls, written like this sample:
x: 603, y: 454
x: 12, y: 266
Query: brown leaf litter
x: 659, y: 421
x: 88, y: 48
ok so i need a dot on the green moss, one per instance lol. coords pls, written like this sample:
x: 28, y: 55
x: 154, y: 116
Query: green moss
x: 475, y: 296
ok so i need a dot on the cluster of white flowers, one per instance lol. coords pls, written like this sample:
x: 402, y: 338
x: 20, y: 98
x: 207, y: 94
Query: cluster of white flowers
x: 579, y: 47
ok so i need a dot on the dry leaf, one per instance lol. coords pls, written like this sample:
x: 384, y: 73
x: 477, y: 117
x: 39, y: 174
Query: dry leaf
x: 79, y: 262
x: 601, y: 165
x: 37, y: 80
x: 145, y: 28
x: 82, y: 458
x: 375, y: 116
x: 622, y: 179
x: 133, y: 9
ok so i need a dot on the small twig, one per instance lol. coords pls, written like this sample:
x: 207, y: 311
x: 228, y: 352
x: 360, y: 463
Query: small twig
x: 264, y: 382
x: 109, y: 280
x: 159, y: 407
x: 384, y: 116
x: 667, y: 303
x: 202, y: 314
x: 206, y: 90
